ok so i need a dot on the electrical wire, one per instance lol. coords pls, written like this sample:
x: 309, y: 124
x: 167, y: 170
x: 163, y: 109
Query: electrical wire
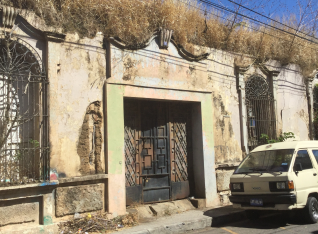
x: 273, y: 20
x: 250, y: 18
x: 253, y: 28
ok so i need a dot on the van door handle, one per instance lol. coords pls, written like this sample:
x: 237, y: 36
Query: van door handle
x: 315, y: 174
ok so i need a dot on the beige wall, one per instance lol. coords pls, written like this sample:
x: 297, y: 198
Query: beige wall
x: 160, y: 68
x: 76, y: 73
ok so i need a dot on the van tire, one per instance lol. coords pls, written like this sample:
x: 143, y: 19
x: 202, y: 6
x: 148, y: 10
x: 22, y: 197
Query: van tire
x: 252, y: 214
x: 311, y: 210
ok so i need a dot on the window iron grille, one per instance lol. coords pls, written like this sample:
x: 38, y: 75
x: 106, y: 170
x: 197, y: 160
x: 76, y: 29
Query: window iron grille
x: 260, y: 105
x: 24, y: 143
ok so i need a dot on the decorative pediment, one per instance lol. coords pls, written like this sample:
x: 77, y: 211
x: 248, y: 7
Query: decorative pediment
x: 265, y: 68
x: 165, y: 38
x: 14, y: 17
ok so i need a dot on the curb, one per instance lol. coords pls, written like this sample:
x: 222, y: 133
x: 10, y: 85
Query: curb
x: 195, y: 224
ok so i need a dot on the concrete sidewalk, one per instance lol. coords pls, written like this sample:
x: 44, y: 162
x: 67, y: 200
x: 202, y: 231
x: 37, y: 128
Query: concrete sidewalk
x: 187, y: 221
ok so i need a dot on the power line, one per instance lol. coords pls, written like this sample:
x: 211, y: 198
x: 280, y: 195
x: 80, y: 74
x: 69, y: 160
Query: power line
x: 251, y: 27
x: 285, y: 25
x: 260, y: 22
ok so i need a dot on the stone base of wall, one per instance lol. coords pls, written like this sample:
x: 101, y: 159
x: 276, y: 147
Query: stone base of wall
x: 34, y: 204
x: 20, y: 213
x: 78, y: 199
x: 223, y: 176
x: 223, y: 179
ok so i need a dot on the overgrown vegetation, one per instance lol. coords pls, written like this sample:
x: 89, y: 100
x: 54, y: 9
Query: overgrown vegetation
x: 134, y: 21
x: 283, y: 137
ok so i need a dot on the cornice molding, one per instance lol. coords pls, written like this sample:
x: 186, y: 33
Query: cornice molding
x: 267, y: 71
x: 242, y: 69
x: 55, y: 37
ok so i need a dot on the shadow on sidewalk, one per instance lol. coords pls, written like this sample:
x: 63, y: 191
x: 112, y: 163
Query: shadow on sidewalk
x: 224, y: 215
x: 269, y: 219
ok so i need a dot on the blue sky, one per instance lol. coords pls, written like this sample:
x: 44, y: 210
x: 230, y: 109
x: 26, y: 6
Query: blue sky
x: 274, y: 9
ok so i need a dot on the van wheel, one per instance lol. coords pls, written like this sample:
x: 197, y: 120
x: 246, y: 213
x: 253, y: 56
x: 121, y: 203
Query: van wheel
x: 311, y: 210
x: 253, y: 214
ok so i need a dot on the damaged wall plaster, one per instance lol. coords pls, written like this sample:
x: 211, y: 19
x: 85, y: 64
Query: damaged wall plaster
x: 90, y: 141
x: 227, y: 149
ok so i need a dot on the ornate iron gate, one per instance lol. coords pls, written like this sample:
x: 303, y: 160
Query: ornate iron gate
x: 260, y: 106
x: 24, y: 148
x: 157, y: 142
x: 181, y: 150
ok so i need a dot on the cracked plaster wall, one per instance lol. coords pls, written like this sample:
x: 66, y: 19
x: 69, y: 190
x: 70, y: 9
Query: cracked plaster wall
x: 292, y: 107
x: 152, y: 67
x: 77, y: 70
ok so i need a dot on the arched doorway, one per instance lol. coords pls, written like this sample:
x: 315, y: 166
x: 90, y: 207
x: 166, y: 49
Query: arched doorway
x: 260, y: 106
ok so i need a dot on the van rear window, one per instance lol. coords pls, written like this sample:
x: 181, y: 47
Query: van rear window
x: 266, y: 161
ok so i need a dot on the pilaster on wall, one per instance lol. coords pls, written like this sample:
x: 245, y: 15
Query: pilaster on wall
x: 310, y: 101
x: 115, y: 146
x: 240, y: 71
x: 274, y: 83
x: 273, y: 77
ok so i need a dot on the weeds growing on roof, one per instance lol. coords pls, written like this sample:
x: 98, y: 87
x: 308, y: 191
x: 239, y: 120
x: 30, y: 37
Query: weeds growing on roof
x: 134, y: 21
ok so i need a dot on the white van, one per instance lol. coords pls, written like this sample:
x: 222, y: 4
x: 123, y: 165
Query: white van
x: 279, y: 176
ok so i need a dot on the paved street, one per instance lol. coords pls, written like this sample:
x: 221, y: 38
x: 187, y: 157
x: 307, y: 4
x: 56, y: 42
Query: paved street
x: 266, y: 224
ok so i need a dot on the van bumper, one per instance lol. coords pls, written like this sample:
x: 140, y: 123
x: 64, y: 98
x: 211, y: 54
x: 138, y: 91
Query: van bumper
x: 269, y: 200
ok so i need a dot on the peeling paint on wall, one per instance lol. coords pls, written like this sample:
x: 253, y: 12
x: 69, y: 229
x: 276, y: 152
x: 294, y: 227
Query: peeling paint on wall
x: 130, y: 70
x: 90, y: 141
x: 227, y: 149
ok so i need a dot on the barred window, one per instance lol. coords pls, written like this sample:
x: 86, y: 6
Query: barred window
x: 24, y: 147
x: 260, y: 106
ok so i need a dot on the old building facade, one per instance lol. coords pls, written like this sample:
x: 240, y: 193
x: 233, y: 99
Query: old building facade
x: 92, y: 124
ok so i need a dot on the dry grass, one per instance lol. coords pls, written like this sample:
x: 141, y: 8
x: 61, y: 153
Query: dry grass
x: 134, y: 20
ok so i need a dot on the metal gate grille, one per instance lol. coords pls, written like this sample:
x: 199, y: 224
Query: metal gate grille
x: 24, y: 148
x: 131, y: 142
x: 260, y: 106
x: 180, y: 151
x: 158, y: 151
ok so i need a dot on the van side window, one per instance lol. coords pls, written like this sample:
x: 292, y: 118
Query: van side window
x: 303, y: 158
x: 315, y: 153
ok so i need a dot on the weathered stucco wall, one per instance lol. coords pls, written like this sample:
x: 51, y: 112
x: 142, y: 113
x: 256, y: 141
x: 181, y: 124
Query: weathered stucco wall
x: 152, y: 67
x: 159, y: 68
x: 165, y: 69
x: 223, y: 83
x: 292, y: 106
x: 77, y: 70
